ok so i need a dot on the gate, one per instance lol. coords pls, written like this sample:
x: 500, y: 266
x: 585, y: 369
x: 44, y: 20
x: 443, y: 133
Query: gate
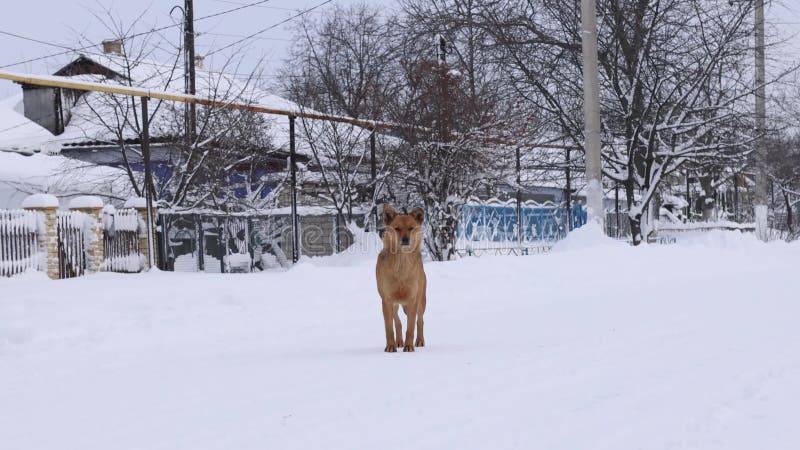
x: 121, y: 240
x: 71, y: 243
x: 19, y: 244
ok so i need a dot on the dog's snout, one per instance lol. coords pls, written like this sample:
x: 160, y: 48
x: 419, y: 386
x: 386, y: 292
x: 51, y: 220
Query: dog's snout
x: 405, y: 240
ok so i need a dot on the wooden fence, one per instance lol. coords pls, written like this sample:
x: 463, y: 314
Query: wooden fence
x: 19, y: 241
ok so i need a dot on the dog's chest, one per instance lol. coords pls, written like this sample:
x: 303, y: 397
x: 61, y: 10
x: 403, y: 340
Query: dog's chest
x: 399, y: 279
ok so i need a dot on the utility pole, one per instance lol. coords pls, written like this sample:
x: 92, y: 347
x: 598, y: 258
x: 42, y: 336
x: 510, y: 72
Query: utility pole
x: 293, y: 180
x: 591, y: 112
x: 189, y: 70
x: 373, y: 178
x: 519, y: 199
x: 148, y: 182
x: 568, y: 190
x: 761, y: 114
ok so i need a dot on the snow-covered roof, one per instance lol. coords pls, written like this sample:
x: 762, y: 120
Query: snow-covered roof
x: 20, y: 134
x: 57, y: 175
x: 86, y: 124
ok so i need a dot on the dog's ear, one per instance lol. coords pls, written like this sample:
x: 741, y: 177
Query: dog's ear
x: 389, y: 213
x: 418, y: 214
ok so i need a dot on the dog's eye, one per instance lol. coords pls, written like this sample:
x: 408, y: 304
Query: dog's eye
x: 411, y: 229
x: 397, y: 228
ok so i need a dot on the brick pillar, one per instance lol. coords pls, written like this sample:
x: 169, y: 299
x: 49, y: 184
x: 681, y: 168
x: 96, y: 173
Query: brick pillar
x: 47, y: 231
x: 140, y: 205
x: 92, y: 206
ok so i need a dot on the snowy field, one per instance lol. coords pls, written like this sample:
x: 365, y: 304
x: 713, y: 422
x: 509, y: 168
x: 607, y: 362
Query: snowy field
x: 688, y: 346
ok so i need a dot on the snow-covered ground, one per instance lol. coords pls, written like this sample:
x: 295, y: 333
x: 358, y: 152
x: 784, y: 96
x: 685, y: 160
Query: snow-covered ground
x: 595, y: 346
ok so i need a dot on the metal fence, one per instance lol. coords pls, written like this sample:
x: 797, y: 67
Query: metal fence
x: 617, y: 225
x: 236, y: 243
x: 121, y: 230
x: 19, y: 241
x: 72, y: 236
x: 497, y: 228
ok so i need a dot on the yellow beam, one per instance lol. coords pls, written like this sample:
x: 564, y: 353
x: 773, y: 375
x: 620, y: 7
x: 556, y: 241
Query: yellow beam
x: 120, y: 89
x: 67, y: 83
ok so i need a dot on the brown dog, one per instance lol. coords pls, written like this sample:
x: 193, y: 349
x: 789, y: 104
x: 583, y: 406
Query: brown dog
x: 401, y: 277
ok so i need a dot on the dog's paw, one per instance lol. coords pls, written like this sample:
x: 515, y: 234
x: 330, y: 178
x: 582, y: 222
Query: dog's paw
x: 390, y: 348
x: 400, y: 343
x: 408, y: 348
x: 420, y: 342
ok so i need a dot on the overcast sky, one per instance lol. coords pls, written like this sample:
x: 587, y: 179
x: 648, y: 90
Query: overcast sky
x: 63, y: 22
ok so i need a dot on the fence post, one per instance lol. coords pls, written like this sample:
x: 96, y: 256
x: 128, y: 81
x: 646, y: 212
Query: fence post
x: 48, y: 236
x: 140, y: 205
x: 92, y: 206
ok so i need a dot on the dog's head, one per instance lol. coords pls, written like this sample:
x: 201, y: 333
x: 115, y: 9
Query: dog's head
x: 403, y: 231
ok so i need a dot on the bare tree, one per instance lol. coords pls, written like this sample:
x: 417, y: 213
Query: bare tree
x: 444, y: 158
x: 226, y: 164
x: 340, y: 165
x: 674, y: 88
x: 342, y: 63
x: 230, y: 163
x: 116, y: 119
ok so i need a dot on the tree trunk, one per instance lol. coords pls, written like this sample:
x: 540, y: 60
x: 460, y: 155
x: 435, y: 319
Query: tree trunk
x: 448, y: 238
x: 636, y: 229
x: 708, y: 204
x: 442, y: 224
x: 789, y: 224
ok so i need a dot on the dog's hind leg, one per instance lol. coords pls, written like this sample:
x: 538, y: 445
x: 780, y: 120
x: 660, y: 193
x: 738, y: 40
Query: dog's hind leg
x: 398, y: 327
x: 420, y: 342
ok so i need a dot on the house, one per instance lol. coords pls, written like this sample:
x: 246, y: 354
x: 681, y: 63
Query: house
x: 30, y: 162
x: 101, y: 131
x: 104, y: 129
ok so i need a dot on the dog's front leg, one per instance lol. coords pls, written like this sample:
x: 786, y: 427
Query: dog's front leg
x: 388, y: 315
x: 398, y: 327
x: 411, y: 313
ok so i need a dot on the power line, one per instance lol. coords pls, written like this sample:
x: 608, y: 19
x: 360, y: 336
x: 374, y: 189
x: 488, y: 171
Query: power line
x: 230, y: 2
x: 204, y: 33
x: 79, y: 49
x: 264, y: 30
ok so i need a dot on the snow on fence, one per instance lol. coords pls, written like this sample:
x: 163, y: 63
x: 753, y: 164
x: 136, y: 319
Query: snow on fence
x: 19, y: 242
x: 121, y: 240
x: 723, y: 225
x: 72, y: 229
x: 493, y: 227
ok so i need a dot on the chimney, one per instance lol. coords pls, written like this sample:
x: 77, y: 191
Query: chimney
x: 198, y: 62
x: 112, y: 46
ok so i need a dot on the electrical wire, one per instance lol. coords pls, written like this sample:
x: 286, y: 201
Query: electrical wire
x: 271, y: 27
x: 144, y: 33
